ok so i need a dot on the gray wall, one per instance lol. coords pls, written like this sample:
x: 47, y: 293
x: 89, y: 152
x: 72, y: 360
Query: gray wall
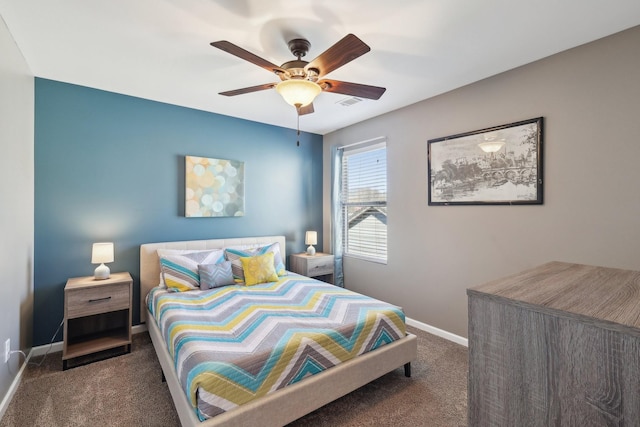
x: 16, y: 212
x: 590, y: 99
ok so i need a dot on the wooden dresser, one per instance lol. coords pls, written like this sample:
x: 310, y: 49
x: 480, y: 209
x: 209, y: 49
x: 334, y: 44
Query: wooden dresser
x: 557, y: 345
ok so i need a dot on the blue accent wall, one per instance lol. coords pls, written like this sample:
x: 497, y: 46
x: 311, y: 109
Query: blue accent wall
x: 110, y: 167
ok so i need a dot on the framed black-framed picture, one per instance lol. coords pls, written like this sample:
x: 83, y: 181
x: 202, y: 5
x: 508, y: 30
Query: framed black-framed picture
x: 501, y: 165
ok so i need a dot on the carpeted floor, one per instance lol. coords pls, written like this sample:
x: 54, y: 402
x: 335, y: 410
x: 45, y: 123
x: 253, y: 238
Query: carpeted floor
x: 127, y: 391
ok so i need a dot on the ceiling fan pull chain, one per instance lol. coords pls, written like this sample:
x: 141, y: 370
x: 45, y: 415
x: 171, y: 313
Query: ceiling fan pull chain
x: 298, y: 114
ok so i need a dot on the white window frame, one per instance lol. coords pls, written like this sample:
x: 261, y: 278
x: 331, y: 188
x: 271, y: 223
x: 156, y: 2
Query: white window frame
x: 350, y: 150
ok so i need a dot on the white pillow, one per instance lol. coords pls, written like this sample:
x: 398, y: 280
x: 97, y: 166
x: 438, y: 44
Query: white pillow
x: 164, y: 252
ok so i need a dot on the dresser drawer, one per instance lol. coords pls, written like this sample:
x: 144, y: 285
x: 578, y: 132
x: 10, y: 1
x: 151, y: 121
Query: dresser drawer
x: 319, y: 266
x: 99, y: 299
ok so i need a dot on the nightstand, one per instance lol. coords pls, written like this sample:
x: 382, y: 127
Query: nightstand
x: 97, y: 315
x: 319, y: 265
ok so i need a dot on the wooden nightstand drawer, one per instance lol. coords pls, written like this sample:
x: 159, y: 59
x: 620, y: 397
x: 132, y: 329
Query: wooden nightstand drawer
x: 101, y: 299
x: 319, y: 266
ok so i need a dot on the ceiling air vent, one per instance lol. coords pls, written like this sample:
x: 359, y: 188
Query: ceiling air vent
x: 348, y: 102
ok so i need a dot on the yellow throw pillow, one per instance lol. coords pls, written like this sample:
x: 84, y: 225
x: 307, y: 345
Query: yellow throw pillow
x: 259, y: 269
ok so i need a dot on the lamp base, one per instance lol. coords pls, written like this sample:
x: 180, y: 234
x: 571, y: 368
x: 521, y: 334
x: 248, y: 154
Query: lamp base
x: 101, y: 272
x: 311, y: 251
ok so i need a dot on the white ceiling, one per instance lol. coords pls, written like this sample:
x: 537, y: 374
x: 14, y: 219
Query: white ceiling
x: 159, y: 49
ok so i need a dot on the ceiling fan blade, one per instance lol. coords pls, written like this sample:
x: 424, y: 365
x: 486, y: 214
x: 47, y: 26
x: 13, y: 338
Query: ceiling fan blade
x: 353, y: 89
x: 247, y: 56
x: 248, y: 89
x: 308, y: 109
x: 344, y: 51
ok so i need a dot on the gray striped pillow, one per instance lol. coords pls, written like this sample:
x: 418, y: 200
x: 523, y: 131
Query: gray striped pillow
x: 215, y: 275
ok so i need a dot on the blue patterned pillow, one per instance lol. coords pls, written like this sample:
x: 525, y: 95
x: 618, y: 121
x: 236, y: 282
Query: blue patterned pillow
x: 180, y: 272
x: 215, y: 275
x: 234, y: 255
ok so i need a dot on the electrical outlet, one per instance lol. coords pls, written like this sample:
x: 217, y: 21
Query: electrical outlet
x: 7, y: 350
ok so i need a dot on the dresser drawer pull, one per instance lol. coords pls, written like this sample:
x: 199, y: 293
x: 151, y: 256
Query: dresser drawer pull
x: 100, y: 299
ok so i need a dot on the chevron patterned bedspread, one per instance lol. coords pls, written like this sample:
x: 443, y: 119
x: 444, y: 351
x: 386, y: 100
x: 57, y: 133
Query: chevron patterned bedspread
x: 233, y: 344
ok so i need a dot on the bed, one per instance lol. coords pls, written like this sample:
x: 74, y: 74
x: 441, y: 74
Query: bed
x: 282, y: 405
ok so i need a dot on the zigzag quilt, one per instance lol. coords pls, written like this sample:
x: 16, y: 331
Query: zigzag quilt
x: 233, y: 344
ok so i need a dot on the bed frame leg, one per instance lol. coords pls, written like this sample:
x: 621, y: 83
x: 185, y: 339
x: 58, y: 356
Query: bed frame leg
x: 164, y: 379
x: 407, y: 370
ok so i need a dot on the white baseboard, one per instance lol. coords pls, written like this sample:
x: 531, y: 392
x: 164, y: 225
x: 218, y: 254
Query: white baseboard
x: 46, y: 348
x: 139, y: 328
x: 13, y: 387
x: 437, y: 331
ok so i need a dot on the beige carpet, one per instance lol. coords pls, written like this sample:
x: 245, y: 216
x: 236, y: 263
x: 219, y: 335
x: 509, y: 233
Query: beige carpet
x: 127, y: 391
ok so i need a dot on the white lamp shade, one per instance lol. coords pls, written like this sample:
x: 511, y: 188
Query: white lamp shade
x: 101, y: 253
x: 298, y: 92
x: 311, y: 238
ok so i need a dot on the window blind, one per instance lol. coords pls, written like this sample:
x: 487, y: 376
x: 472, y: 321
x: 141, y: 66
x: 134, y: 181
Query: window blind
x: 364, y: 202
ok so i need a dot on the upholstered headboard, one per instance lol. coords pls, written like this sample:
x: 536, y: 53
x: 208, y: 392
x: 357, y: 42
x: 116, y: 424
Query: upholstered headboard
x: 150, y: 264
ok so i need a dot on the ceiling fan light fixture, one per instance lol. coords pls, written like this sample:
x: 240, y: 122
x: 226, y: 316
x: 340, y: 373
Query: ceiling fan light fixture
x: 298, y: 92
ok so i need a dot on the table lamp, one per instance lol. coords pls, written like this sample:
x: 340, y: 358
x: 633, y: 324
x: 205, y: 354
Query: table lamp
x: 311, y: 238
x: 101, y: 253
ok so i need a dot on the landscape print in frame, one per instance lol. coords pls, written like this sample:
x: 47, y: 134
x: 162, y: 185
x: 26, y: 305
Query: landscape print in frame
x: 501, y: 165
x: 213, y: 187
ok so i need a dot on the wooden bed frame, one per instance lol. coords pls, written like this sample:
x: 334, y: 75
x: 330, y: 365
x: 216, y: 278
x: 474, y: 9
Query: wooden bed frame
x: 285, y: 405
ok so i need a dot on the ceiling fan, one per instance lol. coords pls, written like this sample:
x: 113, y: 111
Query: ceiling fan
x: 301, y: 81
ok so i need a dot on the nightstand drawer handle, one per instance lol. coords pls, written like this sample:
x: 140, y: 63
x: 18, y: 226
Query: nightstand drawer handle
x: 100, y: 299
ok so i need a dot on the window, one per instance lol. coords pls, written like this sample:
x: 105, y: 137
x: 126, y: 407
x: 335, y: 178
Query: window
x: 364, y: 201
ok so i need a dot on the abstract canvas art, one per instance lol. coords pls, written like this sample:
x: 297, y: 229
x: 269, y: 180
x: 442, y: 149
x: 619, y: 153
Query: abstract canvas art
x: 213, y: 187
